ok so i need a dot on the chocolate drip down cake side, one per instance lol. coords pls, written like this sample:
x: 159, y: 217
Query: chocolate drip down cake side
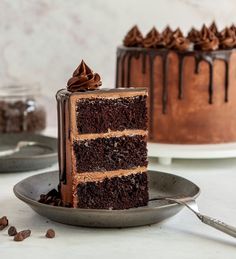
x: 191, y: 82
x: 102, y: 144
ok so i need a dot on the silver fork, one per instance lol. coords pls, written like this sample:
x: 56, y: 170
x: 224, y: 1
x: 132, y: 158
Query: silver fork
x: 215, y: 223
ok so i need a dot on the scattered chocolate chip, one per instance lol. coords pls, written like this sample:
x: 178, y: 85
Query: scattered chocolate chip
x: 20, y: 236
x: 50, y: 233
x: 12, y: 231
x: 3, y: 222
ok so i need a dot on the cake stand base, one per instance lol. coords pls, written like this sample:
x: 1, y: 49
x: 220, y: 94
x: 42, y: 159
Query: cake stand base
x: 166, y: 152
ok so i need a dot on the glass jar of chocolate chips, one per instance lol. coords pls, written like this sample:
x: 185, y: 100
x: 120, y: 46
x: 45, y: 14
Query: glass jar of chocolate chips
x: 21, y: 109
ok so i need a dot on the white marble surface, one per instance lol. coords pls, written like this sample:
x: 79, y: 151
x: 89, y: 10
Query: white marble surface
x: 183, y: 236
x: 43, y: 41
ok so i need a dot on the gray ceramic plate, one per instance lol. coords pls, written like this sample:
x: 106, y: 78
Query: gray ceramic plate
x: 160, y: 184
x: 28, y: 158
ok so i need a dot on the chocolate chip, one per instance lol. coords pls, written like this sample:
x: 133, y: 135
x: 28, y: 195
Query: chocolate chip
x: 20, y: 236
x: 12, y: 231
x: 50, y: 233
x: 3, y: 222
x: 51, y: 198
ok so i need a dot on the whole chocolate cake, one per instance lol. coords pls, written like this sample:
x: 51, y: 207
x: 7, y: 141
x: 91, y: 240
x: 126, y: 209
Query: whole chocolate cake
x: 191, y: 82
x: 102, y: 144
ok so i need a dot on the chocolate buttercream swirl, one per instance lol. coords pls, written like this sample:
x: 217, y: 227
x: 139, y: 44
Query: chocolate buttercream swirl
x: 166, y: 35
x: 227, y: 38
x: 233, y: 28
x: 194, y: 35
x: 178, y: 41
x: 153, y: 39
x: 207, y: 40
x: 83, y: 79
x: 214, y: 28
x: 134, y: 38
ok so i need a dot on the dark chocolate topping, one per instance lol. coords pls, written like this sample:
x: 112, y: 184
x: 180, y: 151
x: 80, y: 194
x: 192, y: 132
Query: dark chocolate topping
x: 83, y: 79
x: 207, y: 40
x: 178, y: 41
x: 153, y: 39
x: 134, y: 38
x: 227, y: 38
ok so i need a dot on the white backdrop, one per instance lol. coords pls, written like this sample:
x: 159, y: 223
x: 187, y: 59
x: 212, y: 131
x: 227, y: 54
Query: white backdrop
x: 42, y: 41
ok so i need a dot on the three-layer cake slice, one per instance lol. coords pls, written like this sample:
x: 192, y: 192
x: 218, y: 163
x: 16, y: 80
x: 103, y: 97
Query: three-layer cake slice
x: 102, y: 144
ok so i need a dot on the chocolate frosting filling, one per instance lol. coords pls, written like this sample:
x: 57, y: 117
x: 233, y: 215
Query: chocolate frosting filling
x: 153, y: 39
x: 83, y: 79
x: 227, y: 38
x: 178, y: 41
x: 134, y: 38
x: 207, y: 40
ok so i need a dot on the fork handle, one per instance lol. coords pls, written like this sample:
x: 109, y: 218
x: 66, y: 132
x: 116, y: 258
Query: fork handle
x: 217, y: 224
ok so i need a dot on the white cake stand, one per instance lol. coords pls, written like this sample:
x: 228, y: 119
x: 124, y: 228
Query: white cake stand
x: 166, y: 152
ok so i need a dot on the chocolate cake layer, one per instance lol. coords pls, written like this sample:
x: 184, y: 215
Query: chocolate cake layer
x: 115, y: 193
x: 107, y: 154
x: 101, y: 115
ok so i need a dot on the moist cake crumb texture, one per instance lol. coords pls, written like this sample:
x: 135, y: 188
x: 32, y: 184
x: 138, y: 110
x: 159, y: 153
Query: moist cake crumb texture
x: 111, y: 114
x: 109, y: 154
x: 114, y: 193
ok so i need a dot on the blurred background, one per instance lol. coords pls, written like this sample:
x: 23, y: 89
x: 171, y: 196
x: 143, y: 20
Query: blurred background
x: 43, y: 41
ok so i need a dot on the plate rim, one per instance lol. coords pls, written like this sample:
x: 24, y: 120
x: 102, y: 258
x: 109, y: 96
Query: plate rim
x: 50, y: 155
x: 32, y: 202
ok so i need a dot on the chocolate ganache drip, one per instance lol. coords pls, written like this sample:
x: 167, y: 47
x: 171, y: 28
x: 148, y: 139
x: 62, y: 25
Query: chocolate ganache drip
x: 83, y: 79
x: 227, y: 39
x: 153, y: 39
x: 178, y: 41
x: 134, y: 38
x: 207, y: 40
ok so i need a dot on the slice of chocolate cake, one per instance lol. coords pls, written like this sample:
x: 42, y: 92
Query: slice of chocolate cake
x: 102, y: 144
